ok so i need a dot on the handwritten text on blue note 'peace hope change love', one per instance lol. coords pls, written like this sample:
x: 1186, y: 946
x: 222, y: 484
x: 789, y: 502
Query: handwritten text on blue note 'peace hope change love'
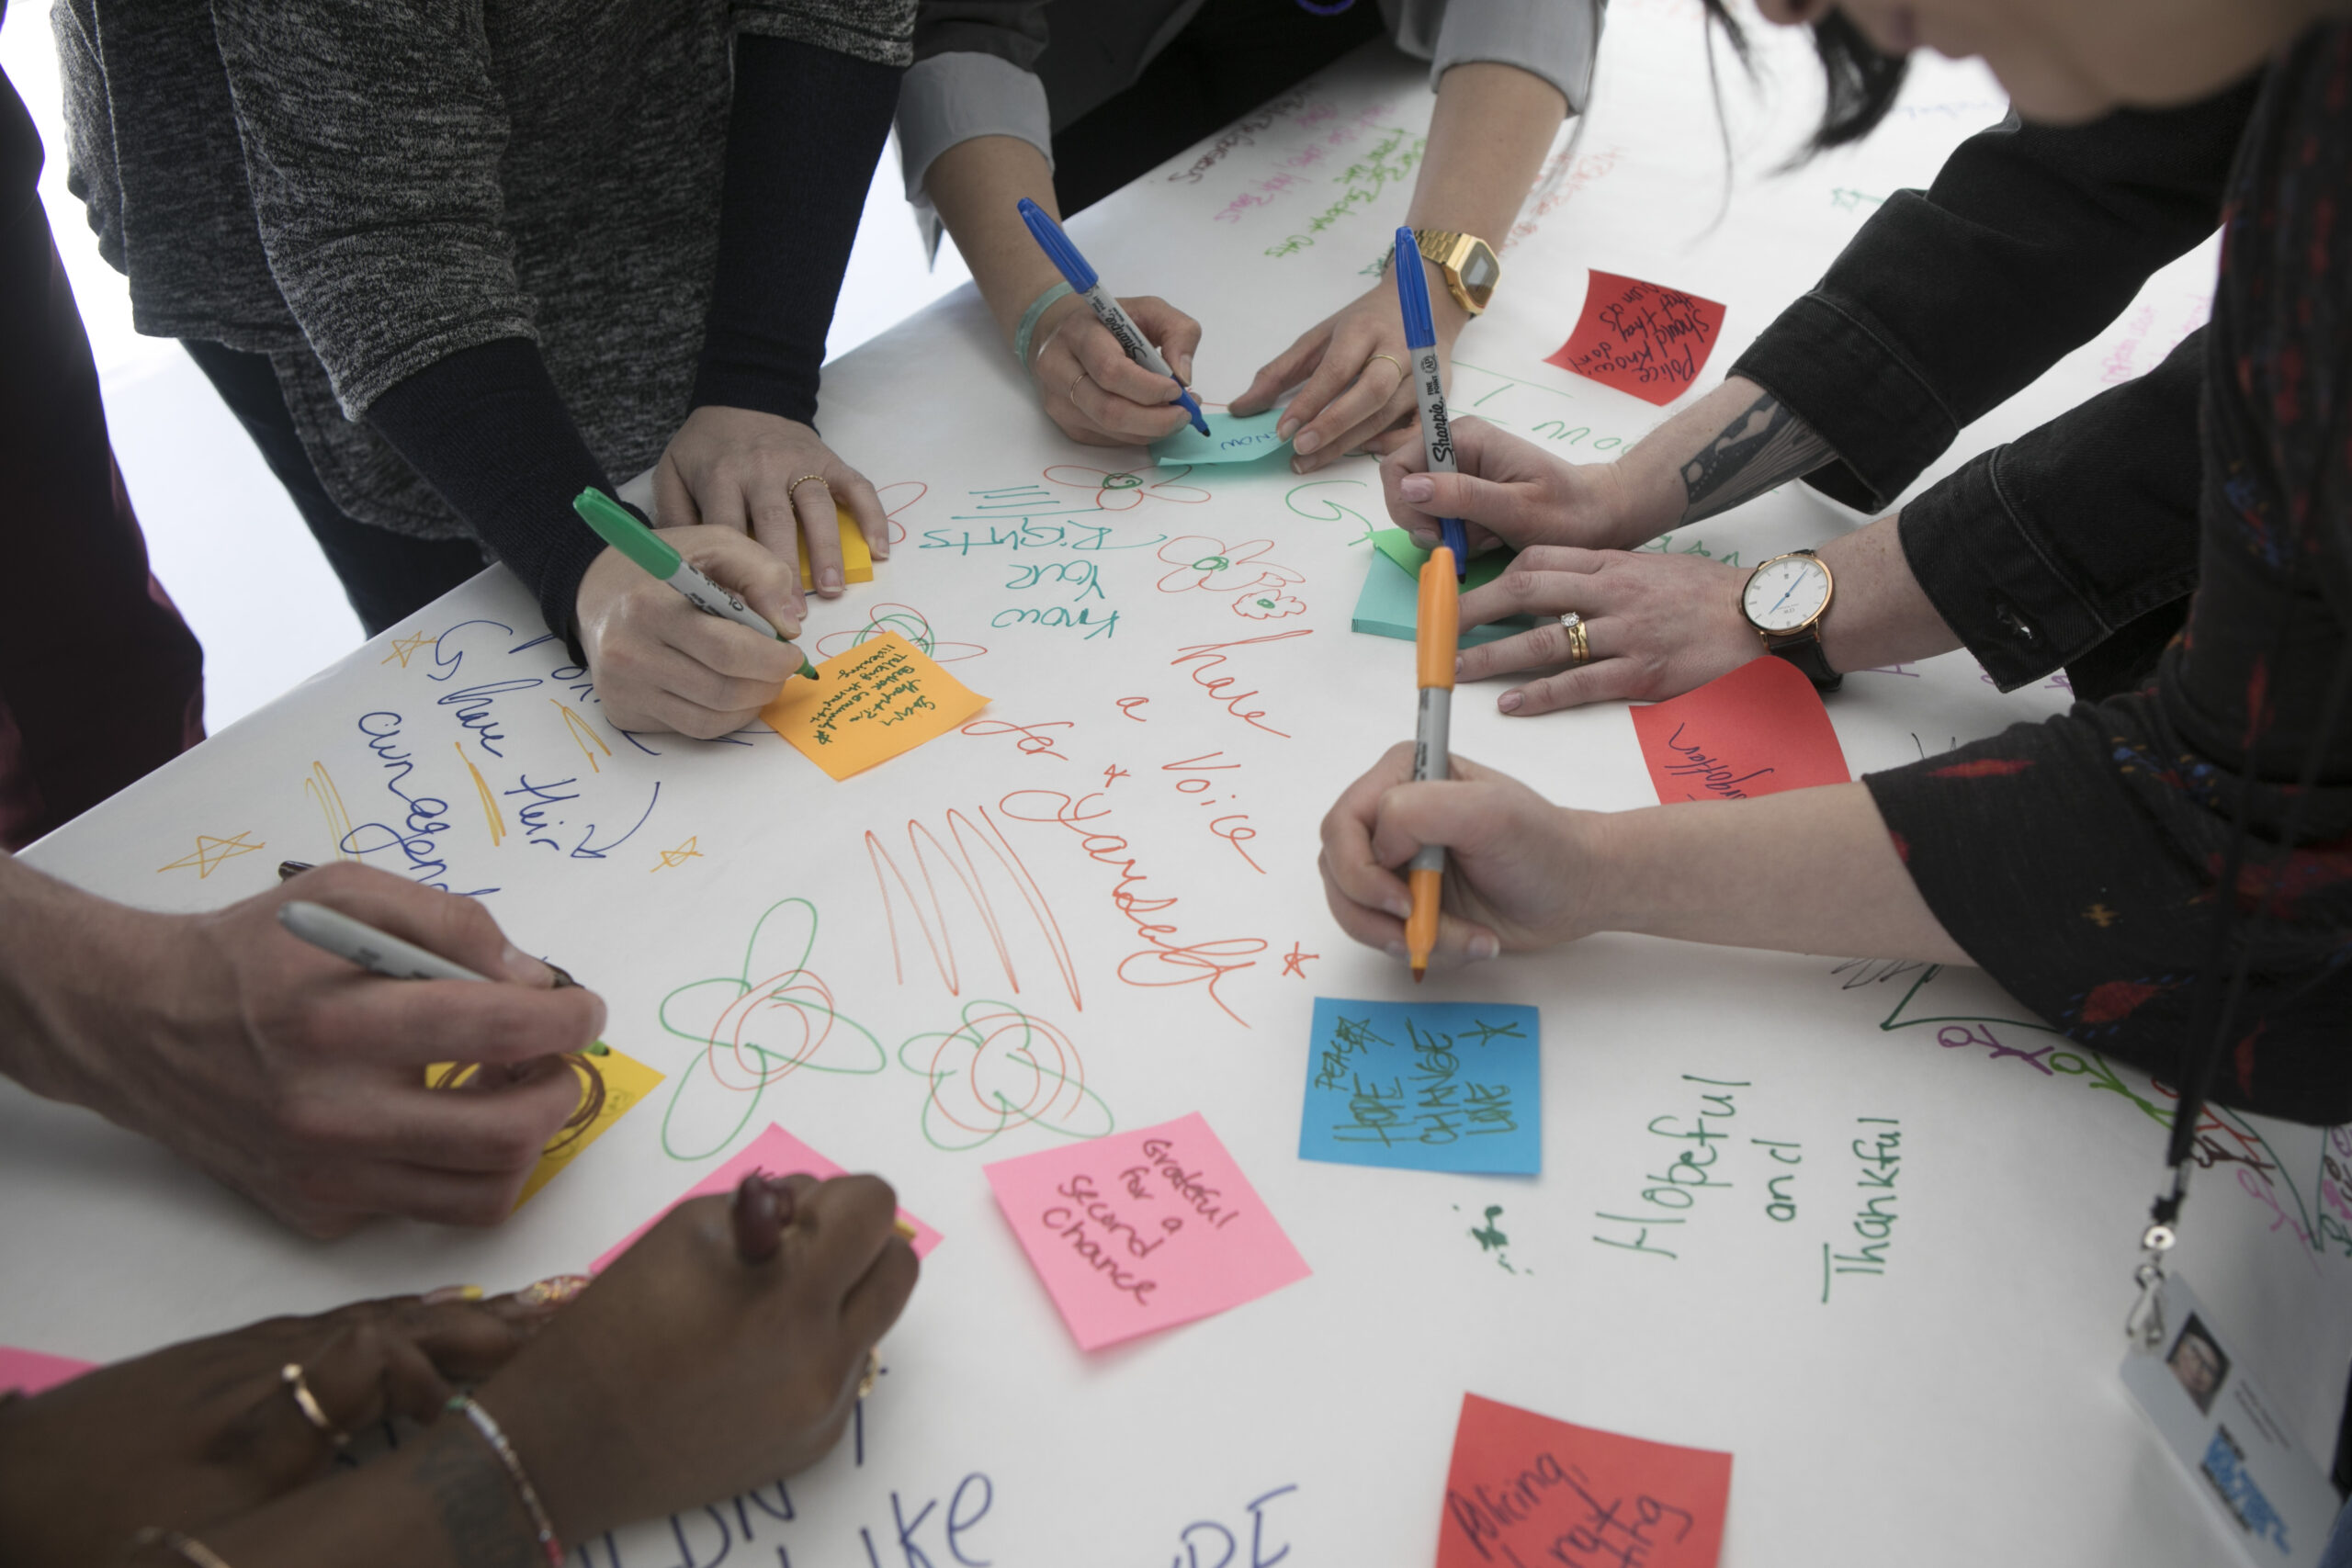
x: 1424, y: 1086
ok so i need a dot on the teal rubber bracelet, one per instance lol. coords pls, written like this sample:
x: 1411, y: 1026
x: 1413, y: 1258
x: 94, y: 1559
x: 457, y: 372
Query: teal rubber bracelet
x: 1038, y: 308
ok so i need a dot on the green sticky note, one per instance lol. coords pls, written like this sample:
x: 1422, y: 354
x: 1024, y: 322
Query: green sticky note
x: 1231, y: 439
x: 1391, y: 601
x: 1398, y: 547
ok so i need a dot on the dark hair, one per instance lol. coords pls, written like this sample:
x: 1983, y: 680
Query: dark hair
x: 1862, y: 81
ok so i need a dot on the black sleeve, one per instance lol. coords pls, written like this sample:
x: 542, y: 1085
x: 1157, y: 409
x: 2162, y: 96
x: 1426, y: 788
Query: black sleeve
x: 488, y: 430
x: 2075, y: 544
x: 805, y: 133
x: 2031, y: 240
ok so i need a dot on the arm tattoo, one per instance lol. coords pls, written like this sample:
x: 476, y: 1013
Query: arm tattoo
x: 1765, y: 446
x: 479, y: 1513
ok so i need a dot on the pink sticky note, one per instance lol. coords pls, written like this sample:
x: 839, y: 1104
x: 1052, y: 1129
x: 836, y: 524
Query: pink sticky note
x: 1758, y: 730
x: 773, y: 1153
x: 37, y: 1371
x: 1141, y: 1231
x: 1640, y: 338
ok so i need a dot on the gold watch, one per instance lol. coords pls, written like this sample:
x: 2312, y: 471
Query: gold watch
x: 1468, y: 263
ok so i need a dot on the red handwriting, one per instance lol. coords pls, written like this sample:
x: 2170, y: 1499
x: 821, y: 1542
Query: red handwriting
x: 1127, y: 707
x: 1294, y: 962
x: 1031, y: 744
x: 896, y: 530
x: 1163, y: 960
x: 961, y: 864
x: 1208, y: 656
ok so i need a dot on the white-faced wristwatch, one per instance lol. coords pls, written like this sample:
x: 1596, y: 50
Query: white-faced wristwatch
x: 1784, y: 599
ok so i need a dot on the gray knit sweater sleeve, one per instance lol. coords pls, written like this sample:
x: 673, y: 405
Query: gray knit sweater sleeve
x: 372, y: 133
x: 881, y: 31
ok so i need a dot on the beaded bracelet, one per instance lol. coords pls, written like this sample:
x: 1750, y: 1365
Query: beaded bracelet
x: 1028, y: 327
x: 496, y: 1437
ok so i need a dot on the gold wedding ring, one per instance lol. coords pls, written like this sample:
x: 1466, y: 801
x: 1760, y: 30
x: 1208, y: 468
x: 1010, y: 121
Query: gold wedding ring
x: 1401, y: 371
x: 1579, y: 640
x: 873, y: 1372
x: 296, y: 1385
x: 1072, y: 394
x: 802, y: 480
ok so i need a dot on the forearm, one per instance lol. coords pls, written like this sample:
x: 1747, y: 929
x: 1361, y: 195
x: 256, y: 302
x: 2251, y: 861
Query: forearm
x: 1492, y: 126
x: 1728, y: 447
x: 57, y: 946
x: 1810, y: 870
x: 442, y: 1502
x: 977, y: 187
x: 1880, y: 615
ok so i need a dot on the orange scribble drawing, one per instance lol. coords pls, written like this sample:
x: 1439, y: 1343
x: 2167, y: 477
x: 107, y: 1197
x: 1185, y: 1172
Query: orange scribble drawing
x: 490, y: 811
x: 681, y: 855
x: 1294, y: 962
x: 1120, y: 491
x: 1000, y: 1068
x: 583, y: 732
x: 961, y: 863
x: 319, y: 788
x: 210, y: 852
x: 908, y: 623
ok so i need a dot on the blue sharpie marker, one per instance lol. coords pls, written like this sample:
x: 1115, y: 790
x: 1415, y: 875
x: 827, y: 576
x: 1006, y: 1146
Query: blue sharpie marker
x: 1087, y: 285
x: 1420, y: 341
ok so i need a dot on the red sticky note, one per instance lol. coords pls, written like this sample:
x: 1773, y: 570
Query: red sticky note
x: 1141, y: 1231
x: 773, y: 1153
x: 36, y: 1371
x: 1525, y: 1489
x: 1640, y: 338
x: 1758, y: 730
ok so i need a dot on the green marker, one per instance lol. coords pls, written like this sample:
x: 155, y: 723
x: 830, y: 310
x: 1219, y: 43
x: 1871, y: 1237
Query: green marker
x: 618, y: 528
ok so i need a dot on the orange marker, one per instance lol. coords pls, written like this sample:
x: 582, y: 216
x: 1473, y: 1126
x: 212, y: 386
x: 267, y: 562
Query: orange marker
x: 1437, y: 628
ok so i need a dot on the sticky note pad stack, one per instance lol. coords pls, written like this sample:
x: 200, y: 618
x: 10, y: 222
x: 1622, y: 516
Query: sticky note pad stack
x: 1391, y: 593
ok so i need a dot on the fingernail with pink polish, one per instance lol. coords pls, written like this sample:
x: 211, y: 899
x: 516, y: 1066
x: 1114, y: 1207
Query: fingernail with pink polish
x: 1484, y: 946
x: 1397, y: 950
x: 1509, y: 702
x: 1308, y: 441
x: 1416, y: 486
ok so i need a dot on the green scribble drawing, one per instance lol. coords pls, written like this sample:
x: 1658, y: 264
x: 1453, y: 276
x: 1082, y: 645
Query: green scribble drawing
x: 759, y: 1025
x: 1001, y: 1068
x: 1331, y: 510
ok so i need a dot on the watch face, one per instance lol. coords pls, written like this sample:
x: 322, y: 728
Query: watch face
x: 1783, y: 594
x: 1480, y: 272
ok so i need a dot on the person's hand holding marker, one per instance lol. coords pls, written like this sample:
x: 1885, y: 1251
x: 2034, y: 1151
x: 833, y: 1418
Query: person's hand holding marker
x: 673, y: 648
x: 773, y: 478
x: 1136, y: 393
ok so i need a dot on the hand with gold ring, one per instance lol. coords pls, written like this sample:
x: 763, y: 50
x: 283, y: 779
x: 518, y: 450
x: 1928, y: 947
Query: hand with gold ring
x: 1352, y: 372
x: 1092, y: 389
x: 1625, y: 625
x: 750, y: 472
x: 212, y: 1428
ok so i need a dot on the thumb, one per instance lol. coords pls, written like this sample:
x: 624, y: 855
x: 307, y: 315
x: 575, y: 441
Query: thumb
x: 1495, y: 506
x: 762, y: 578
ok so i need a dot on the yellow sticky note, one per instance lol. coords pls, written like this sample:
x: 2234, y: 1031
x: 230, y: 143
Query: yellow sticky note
x: 627, y: 1081
x: 857, y: 561
x: 866, y: 707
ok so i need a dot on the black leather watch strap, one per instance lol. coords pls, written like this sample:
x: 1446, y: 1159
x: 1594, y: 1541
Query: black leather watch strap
x: 1803, y: 651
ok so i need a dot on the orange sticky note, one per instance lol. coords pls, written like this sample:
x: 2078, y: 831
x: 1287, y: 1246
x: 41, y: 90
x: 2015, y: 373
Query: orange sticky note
x: 1525, y: 1488
x: 1758, y: 730
x: 866, y: 705
x: 1640, y: 338
x: 857, y: 561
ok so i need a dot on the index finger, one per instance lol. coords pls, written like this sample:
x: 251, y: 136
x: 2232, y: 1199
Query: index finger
x: 1108, y: 367
x: 1349, y: 863
x: 821, y: 528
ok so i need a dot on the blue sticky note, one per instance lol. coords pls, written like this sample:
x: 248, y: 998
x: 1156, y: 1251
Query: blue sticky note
x: 1231, y: 439
x: 1425, y: 1086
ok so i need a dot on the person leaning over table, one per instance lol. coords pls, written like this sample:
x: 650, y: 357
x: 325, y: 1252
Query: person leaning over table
x: 2078, y: 861
x: 2074, y: 545
x: 1063, y: 103
x: 726, y: 1349
x: 452, y: 265
x: 295, y: 1077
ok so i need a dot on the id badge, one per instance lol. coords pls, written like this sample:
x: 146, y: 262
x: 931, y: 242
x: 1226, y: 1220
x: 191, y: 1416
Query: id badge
x: 2272, y: 1502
